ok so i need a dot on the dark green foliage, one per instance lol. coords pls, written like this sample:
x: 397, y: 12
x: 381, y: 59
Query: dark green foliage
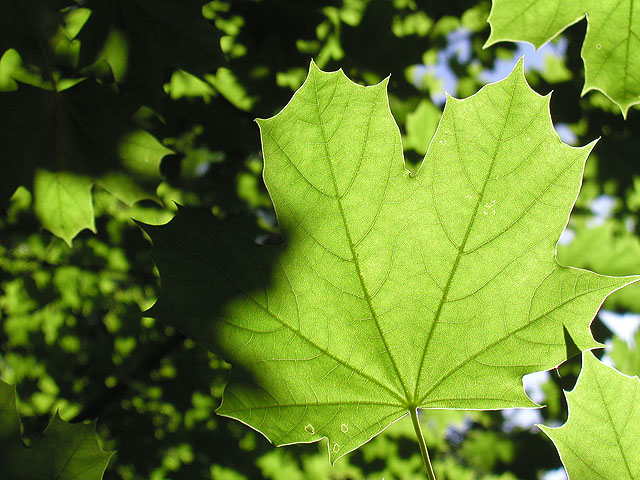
x: 142, y: 39
x: 63, y: 451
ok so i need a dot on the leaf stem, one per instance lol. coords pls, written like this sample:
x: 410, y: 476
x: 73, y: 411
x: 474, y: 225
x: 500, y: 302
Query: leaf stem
x: 421, y: 442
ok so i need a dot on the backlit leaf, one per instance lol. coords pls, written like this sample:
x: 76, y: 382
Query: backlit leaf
x: 626, y: 358
x: 393, y: 291
x: 608, y: 248
x: 63, y: 203
x: 600, y: 438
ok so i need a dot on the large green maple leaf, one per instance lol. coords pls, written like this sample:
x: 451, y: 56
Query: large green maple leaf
x: 64, y: 451
x: 599, y: 441
x: 611, y: 47
x: 393, y: 291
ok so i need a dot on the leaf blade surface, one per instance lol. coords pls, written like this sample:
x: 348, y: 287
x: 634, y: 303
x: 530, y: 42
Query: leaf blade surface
x: 64, y: 451
x: 611, y: 46
x: 58, y: 144
x: 600, y: 438
x: 395, y: 291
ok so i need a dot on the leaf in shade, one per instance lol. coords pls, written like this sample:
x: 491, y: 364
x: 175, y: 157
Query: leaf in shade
x: 28, y: 27
x: 64, y: 451
x: 143, y: 38
x: 60, y: 143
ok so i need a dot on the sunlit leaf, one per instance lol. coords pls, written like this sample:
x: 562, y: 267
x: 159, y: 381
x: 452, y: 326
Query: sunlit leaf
x: 600, y: 438
x: 393, y: 291
x: 608, y: 248
x: 63, y: 203
x: 421, y: 125
x: 626, y: 358
x: 611, y: 46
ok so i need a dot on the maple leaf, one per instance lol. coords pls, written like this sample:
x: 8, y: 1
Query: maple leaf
x: 28, y: 28
x: 600, y: 438
x: 64, y: 451
x: 141, y: 38
x: 393, y: 291
x: 611, y: 46
x: 60, y: 143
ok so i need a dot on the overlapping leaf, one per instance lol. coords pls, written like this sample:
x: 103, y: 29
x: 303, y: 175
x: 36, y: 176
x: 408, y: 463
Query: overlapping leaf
x: 393, y: 291
x: 600, y: 438
x: 60, y: 143
x: 28, y: 26
x: 421, y: 125
x: 611, y: 47
x: 64, y: 451
x: 142, y: 38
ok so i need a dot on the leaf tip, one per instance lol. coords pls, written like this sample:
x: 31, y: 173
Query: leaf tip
x: 592, y: 144
x: 624, y: 107
x: 519, y: 66
x: 313, y: 67
x: 450, y: 99
x: 154, y: 311
x: 261, y: 122
x: 488, y: 42
x: 145, y: 227
x: 544, y: 428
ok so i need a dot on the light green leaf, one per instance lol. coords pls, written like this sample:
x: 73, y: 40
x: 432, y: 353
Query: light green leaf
x: 225, y: 82
x: 608, y: 248
x: 64, y: 451
x: 393, y: 291
x: 611, y: 47
x: 421, y: 125
x: 63, y: 203
x: 124, y: 188
x: 626, y: 358
x: 600, y: 438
